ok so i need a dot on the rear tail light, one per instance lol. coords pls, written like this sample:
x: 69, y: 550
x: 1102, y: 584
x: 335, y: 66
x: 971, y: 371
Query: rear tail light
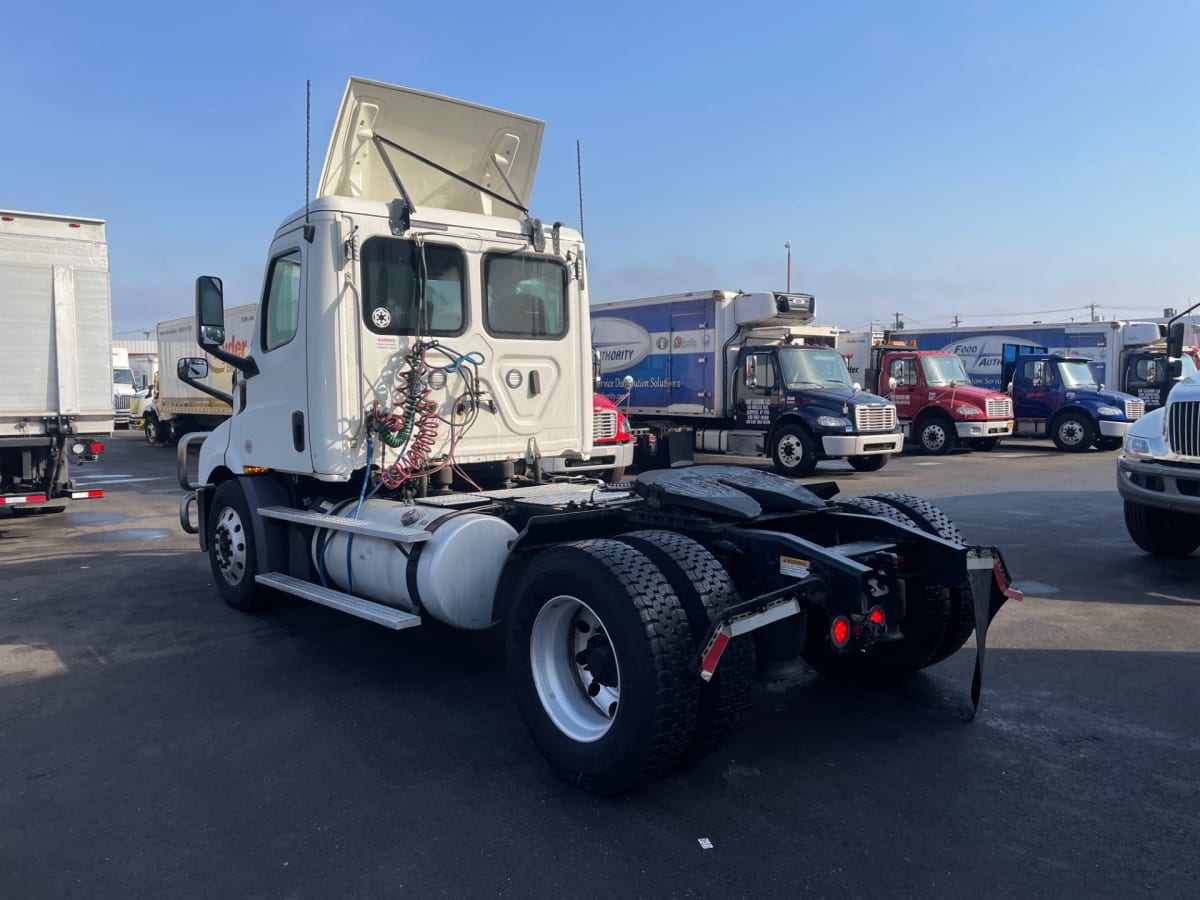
x: 95, y: 447
x: 839, y: 632
x: 875, y: 616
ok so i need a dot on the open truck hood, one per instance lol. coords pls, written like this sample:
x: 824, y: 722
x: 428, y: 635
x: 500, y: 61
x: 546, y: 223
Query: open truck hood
x: 475, y: 142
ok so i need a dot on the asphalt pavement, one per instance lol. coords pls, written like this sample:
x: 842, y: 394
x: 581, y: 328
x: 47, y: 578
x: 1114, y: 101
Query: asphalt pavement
x: 155, y: 743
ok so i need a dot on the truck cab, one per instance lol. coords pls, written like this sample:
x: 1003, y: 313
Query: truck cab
x: 1059, y: 396
x: 935, y: 400
x: 801, y: 396
x: 612, y: 446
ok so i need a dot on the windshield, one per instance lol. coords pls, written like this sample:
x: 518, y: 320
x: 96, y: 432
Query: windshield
x: 123, y: 376
x: 1076, y: 374
x: 813, y: 368
x: 943, y: 371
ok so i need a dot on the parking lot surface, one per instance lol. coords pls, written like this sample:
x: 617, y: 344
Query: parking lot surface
x: 154, y: 742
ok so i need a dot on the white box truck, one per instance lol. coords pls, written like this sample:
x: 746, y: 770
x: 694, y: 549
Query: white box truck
x: 175, y: 408
x: 56, y: 403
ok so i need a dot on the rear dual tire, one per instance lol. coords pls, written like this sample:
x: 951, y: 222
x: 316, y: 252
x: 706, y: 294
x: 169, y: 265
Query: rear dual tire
x: 601, y: 644
x: 939, y: 619
x: 598, y: 652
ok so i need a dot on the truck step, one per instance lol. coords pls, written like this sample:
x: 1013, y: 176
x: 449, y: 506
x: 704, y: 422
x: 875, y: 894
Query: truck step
x: 386, y: 616
x: 404, y: 533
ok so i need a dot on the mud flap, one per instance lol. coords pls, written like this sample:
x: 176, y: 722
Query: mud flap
x: 990, y: 588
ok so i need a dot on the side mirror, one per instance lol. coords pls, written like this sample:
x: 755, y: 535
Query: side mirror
x: 892, y: 383
x: 1008, y: 390
x: 627, y: 382
x: 192, y: 367
x: 210, y: 311
x: 1175, y: 369
x: 596, y: 368
x: 856, y: 387
x: 1175, y: 340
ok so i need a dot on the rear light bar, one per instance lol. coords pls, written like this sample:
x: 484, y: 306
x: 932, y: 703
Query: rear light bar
x: 27, y: 498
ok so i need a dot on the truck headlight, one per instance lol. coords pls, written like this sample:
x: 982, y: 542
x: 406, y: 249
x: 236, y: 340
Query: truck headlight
x: 1137, y: 446
x: 968, y: 411
x: 1110, y: 411
x: 832, y: 422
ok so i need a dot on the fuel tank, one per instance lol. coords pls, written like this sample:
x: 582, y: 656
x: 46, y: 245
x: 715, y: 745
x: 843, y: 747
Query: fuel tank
x: 452, y: 576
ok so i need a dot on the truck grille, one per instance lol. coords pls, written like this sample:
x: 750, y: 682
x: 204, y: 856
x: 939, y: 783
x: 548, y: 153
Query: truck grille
x: 121, y: 401
x: 999, y: 408
x: 875, y: 418
x: 1183, y: 428
x: 604, y: 425
x: 1134, y: 409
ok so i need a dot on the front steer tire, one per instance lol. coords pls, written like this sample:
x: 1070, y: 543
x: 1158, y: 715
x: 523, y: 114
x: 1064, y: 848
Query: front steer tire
x: 793, y: 452
x: 868, y: 463
x: 1074, y: 432
x: 705, y: 590
x: 232, y: 554
x: 1162, y: 532
x: 590, y: 617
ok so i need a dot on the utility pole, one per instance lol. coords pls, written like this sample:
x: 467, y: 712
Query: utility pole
x: 899, y: 321
x: 956, y: 320
x: 787, y: 245
x: 1092, y: 307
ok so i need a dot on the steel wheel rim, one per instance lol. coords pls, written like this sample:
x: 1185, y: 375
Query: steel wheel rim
x: 151, y: 432
x: 566, y: 639
x: 791, y: 453
x: 229, y: 546
x: 1070, y: 432
x: 933, y: 437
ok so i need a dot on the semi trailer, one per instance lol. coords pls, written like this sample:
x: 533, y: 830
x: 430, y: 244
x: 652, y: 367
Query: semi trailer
x: 384, y: 457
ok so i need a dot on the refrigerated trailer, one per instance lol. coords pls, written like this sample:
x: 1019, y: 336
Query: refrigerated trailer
x: 56, y: 371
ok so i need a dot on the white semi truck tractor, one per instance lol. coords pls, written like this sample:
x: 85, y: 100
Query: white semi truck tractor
x: 422, y: 343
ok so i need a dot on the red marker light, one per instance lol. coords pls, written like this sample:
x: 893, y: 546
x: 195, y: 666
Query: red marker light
x: 839, y: 632
x: 95, y: 447
x: 875, y: 616
x: 73, y: 225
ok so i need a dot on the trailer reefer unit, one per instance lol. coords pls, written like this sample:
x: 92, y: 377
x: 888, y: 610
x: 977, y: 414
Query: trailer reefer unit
x: 56, y: 372
x: 749, y: 373
x: 420, y: 327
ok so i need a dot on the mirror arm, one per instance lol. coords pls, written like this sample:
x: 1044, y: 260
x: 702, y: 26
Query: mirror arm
x: 211, y: 391
x: 244, y: 364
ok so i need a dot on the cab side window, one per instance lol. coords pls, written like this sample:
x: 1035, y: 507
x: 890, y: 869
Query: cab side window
x: 1034, y: 372
x: 904, y: 371
x: 281, y: 312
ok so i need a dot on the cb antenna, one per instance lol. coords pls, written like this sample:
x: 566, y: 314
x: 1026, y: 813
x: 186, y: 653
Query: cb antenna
x: 310, y: 230
x: 579, y: 173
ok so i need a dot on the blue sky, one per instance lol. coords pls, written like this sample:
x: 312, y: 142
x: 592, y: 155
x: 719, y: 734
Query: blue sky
x: 994, y: 160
